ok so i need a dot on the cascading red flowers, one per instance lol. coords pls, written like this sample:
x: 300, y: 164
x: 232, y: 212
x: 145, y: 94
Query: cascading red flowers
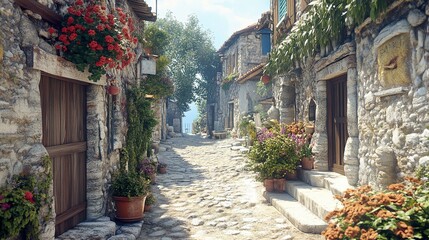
x: 93, y: 37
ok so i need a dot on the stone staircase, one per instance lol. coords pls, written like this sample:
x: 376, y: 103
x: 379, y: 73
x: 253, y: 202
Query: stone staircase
x: 306, y: 203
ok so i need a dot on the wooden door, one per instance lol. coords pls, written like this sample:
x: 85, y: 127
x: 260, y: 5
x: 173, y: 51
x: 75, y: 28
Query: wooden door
x: 337, y: 122
x: 231, y: 115
x: 64, y: 131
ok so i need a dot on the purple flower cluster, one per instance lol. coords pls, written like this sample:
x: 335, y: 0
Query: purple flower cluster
x: 4, y: 206
x: 147, y: 167
x: 264, y: 134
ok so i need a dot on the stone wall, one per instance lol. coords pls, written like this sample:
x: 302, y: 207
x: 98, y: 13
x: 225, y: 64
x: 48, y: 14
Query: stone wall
x: 20, y: 106
x: 248, y: 48
x: 249, y: 52
x: 393, y: 73
x: 387, y: 95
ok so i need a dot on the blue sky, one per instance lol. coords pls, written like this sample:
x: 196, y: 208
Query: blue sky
x: 220, y: 17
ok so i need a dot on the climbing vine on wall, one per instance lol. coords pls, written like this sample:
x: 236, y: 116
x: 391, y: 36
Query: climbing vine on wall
x: 141, y: 121
x: 325, y: 21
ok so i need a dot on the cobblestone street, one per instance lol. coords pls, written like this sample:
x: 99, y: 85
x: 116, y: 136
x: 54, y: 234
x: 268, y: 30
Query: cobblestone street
x: 207, y: 193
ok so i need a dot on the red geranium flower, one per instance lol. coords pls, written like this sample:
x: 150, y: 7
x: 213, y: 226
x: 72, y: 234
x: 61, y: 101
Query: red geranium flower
x: 109, y: 39
x: 52, y: 30
x: 93, y: 45
x: 73, y: 36
x: 63, y: 38
x: 71, y: 29
x: 100, y: 27
x: 70, y: 20
x: 95, y: 38
x: 29, y: 196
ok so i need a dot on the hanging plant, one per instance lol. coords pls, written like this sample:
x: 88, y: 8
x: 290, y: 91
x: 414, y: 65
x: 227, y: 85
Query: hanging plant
x: 324, y: 22
x: 95, y: 39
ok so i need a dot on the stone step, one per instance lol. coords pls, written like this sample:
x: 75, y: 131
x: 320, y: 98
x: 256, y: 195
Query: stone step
x: 101, y: 228
x: 334, y: 182
x: 296, y: 213
x: 318, y: 200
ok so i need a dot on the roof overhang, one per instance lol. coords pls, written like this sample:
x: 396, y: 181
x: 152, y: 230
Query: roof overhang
x: 142, y: 10
x: 255, y: 71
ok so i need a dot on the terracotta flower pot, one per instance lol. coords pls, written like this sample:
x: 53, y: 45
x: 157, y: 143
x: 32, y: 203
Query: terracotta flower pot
x: 162, y: 170
x: 307, y: 163
x: 279, y: 184
x: 265, y: 79
x: 147, y: 208
x: 129, y: 209
x: 269, y: 185
x: 113, y: 90
x: 309, y: 129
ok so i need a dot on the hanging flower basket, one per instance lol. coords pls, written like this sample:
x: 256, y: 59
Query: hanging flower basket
x: 96, y: 40
x: 265, y: 79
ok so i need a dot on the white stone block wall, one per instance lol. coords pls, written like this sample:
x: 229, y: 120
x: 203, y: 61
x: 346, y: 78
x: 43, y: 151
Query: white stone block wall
x: 392, y: 128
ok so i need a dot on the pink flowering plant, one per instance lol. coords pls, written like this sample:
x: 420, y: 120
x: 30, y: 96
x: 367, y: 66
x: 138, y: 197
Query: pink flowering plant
x: 95, y: 38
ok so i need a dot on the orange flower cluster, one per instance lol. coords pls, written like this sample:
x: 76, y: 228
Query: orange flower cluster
x: 295, y: 128
x: 369, y: 214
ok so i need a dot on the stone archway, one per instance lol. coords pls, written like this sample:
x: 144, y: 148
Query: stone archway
x: 329, y: 68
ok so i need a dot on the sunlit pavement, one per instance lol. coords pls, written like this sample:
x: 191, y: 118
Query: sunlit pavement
x: 207, y: 193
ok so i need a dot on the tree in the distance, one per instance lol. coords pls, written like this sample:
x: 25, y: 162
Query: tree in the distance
x: 193, y: 59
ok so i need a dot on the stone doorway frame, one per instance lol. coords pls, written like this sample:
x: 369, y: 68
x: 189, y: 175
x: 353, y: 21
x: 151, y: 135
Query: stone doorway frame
x: 342, y: 61
x: 39, y: 62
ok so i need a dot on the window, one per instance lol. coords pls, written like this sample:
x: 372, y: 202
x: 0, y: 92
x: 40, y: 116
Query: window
x: 265, y: 40
x: 312, y: 111
x: 282, y: 9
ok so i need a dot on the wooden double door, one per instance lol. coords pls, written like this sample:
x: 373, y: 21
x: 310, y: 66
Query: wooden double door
x: 337, y: 122
x: 64, y: 136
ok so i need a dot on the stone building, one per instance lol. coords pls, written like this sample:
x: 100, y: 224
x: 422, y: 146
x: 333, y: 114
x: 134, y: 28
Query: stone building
x: 48, y: 107
x: 367, y: 94
x: 243, y: 56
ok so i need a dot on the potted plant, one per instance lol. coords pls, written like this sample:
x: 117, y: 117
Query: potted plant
x: 150, y: 200
x: 265, y: 79
x: 129, y: 191
x: 113, y: 88
x: 273, y: 156
x: 162, y: 168
x: 307, y: 159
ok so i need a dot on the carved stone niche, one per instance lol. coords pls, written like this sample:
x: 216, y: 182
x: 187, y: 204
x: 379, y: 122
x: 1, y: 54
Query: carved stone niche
x: 393, y: 48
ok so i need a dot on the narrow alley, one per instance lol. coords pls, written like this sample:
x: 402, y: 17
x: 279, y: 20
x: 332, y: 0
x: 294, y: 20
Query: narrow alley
x: 207, y: 193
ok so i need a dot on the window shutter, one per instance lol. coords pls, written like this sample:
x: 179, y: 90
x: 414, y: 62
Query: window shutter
x: 282, y: 7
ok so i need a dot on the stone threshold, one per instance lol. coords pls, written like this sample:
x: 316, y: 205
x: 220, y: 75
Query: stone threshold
x: 306, y: 203
x: 103, y: 228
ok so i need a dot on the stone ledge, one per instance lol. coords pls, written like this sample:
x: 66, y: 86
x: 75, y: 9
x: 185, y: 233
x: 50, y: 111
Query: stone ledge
x: 391, y: 91
x: 57, y: 66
